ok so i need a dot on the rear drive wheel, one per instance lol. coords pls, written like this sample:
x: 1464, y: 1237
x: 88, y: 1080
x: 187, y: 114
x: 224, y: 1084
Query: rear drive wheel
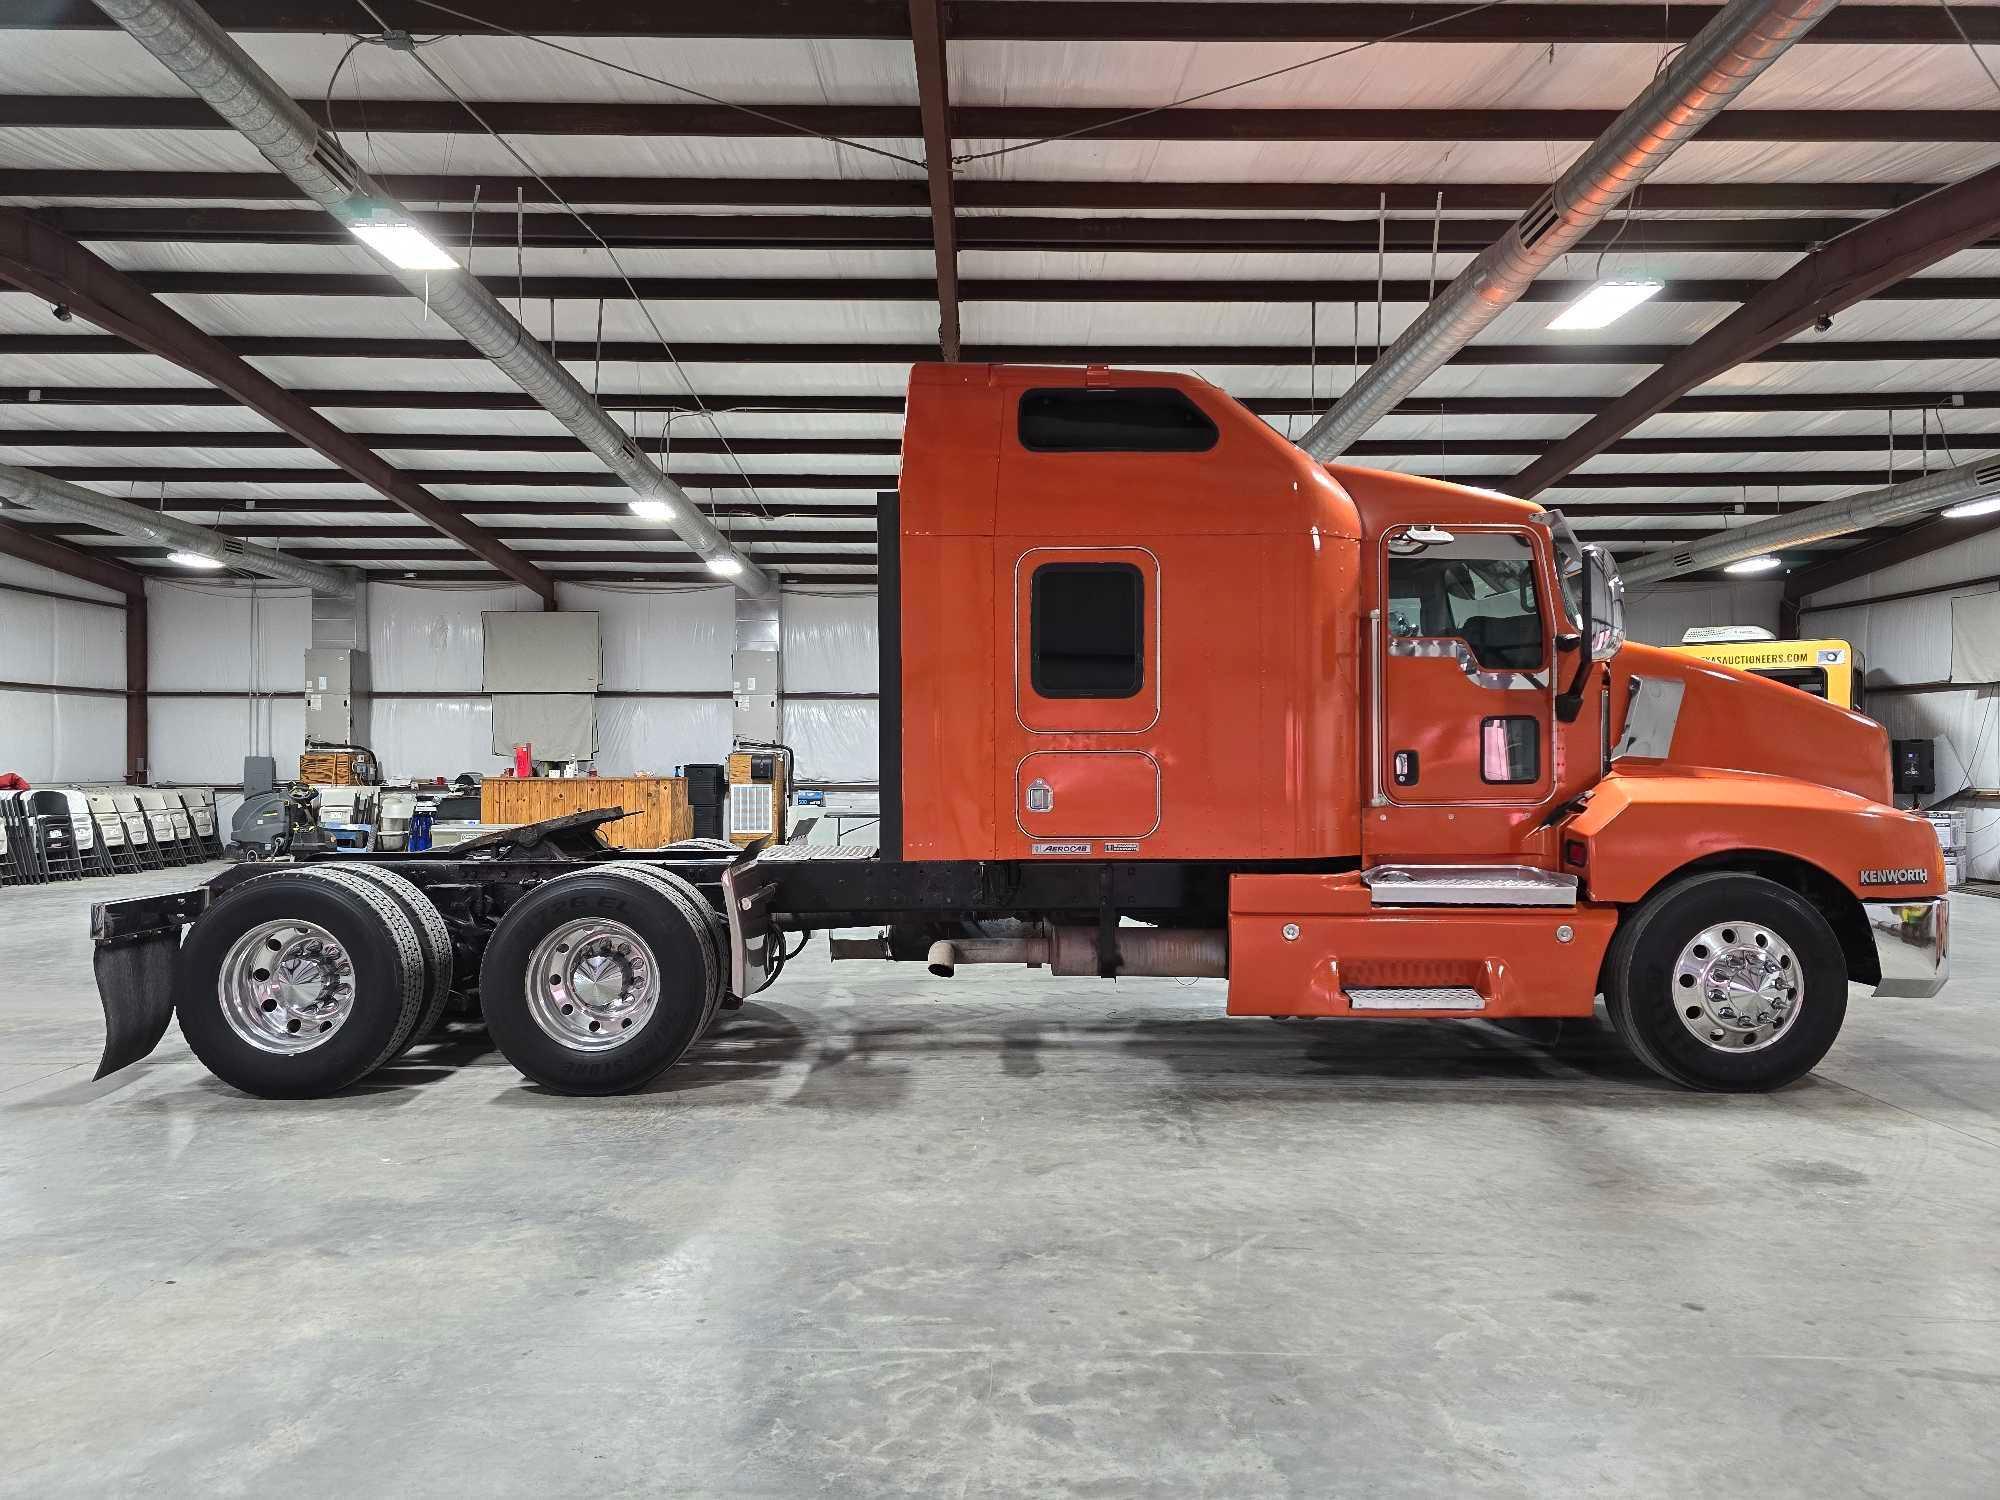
x: 292, y: 986
x: 596, y: 982
x: 697, y: 910
x: 433, y: 937
x: 1728, y: 982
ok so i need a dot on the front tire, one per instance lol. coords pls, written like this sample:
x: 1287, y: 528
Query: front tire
x: 1727, y: 982
x: 595, y: 983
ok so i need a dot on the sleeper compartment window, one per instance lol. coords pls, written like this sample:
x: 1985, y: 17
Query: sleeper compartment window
x: 1087, y: 630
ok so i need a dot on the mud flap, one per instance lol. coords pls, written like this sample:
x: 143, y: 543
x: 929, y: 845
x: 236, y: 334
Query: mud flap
x: 135, y: 984
x: 754, y: 943
x: 137, y: 943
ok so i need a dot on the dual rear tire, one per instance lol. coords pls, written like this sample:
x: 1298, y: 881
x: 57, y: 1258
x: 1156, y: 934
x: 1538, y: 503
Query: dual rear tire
x: 301, y: 983
x: 599, y: 981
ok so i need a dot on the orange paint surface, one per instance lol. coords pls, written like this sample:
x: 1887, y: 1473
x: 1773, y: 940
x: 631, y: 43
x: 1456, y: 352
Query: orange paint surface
x: 1253, y: 735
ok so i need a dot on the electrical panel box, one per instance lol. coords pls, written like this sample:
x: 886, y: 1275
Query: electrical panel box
x: 336, y: 696
x: 1915, y: 763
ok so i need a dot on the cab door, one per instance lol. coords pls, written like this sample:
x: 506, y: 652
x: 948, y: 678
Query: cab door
x: 1465, y: 659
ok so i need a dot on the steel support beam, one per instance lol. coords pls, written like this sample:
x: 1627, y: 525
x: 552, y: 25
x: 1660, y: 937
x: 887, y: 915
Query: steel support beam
x: 1302, y: 355
x: 51, y: 184
x: 37, y: 259
x: 1420, y: 447
x: 897, y: 122
x: 1907, y: 544
x: 1266, y: 21
x: 376, y: 399
x: 1197, y: 289
x: 1733, y: 480
x: 1851, y: 269
x: 1012, y: 232
x: 934, y: 105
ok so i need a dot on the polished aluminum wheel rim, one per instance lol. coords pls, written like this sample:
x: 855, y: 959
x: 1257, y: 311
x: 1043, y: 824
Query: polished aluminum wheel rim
x: 286, y: 987
x: 592, y: 985
x: 1738, y: 987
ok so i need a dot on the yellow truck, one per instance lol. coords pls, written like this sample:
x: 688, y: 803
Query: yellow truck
x: 1827, y: 669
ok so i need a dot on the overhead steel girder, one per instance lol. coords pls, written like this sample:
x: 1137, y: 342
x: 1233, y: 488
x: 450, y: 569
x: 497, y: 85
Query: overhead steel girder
x: 37, y: 547
x: 1849, y: 270
x: 38, y: 259
x: 1263, y: 21
x: 934, y: 106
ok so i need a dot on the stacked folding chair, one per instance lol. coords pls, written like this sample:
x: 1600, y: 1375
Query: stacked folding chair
x: 54, y: 835
x: 160, y: 828
x: 10, y: 870
x: 90, y: 858
x: 23, y: 853
x: 112, y: 844
x: 138, y: 831
x: 200, y: 804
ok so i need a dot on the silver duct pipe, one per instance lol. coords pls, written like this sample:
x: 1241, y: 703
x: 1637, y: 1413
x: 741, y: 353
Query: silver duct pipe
x: 1897, y: 502
x: 1744, y: 39
x: 204, y: 57
x: 58, y: 497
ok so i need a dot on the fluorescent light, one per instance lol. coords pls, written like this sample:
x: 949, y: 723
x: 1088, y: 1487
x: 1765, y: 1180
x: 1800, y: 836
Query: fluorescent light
x: 404, y: 245
x: 1606, y: 303
x: 1755, y: 565
x: 728, y: 567
x: 194, y: 560
x: 651, y: 510
x: 1984, y: 506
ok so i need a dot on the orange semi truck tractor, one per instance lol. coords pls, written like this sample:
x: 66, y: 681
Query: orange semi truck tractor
x: 1160, y: 695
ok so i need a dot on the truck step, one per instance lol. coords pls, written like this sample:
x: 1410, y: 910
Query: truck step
x: 1467, y: 885
x: 1438, y: 997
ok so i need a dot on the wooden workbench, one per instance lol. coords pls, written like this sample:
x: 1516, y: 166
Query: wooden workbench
x: 658, y: 804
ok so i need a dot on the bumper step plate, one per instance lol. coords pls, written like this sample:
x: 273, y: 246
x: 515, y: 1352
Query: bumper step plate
x: 1467, y: 885
x: 1442, y: 997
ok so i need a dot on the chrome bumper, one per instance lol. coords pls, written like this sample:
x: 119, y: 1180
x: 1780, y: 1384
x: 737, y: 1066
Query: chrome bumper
x: 1912, y: 946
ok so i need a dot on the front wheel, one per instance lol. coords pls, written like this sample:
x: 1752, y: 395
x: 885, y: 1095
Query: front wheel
x: 1728, y: 982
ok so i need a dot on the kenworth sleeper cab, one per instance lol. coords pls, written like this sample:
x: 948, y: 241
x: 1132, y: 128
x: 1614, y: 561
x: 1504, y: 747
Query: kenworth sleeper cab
x: 1160, y: 695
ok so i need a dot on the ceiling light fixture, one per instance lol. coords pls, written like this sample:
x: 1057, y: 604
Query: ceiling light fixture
x: 1755, y: 565
x: 1984, y: 506
x: 194, y: 560
x: 1606, y: 303
x: 728, y: 567
x: 402, y: 244
x: 651, y: 510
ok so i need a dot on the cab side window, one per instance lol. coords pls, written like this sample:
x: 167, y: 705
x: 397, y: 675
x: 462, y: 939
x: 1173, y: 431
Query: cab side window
x: 1087, y: 630
x: 1479, y: 589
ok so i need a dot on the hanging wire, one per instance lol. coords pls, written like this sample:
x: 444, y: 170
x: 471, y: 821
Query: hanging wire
x: 604, y: 245
x: 1952, y: 16
x: 666, y: 83
x: 1241, y: 83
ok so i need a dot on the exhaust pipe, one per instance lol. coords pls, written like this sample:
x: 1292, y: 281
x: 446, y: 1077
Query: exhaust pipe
x: 1071, y: 953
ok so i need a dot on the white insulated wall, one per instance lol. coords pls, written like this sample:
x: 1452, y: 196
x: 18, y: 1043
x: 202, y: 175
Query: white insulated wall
x: 1661, y: 614
x: 240, y: 648
x: 57, y: 737
x: 1907, y: 642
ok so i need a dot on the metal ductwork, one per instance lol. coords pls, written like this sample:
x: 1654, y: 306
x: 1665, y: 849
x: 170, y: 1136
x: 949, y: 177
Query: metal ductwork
x: 204, y: 57
x: 1897, y: 502
x: 58, y: 497
x: 1744, y: 39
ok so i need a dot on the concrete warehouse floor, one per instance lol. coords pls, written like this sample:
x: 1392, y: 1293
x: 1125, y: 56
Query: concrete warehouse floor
x: 1005, y: 1235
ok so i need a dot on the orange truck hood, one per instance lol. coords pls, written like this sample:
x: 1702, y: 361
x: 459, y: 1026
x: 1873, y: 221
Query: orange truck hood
x: 1733, y: 721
